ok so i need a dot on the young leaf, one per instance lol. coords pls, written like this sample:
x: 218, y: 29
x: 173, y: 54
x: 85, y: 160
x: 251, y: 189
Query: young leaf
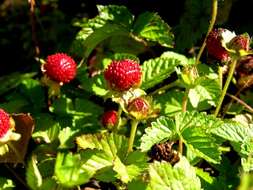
x: 33, y: 176
x: 156, y: 70
x: 163, y: 128
x: 180, y: 177
x: 151, y: 27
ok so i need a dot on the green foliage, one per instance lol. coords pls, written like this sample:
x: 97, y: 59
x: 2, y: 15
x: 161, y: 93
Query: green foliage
x: 6, y: 184
x: 181, y: 176
x: 150, y: 26
x: 33, y: 176
x: 156, y: 70
x: 70, y: 149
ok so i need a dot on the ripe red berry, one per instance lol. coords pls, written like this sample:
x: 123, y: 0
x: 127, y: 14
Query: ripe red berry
x: 4, y: 123
x: 139, y: 108
x: 109, y: 118
x: 60, y: 68
x: 214, y: 46
x: 240, y: 42
x: 123, y: 75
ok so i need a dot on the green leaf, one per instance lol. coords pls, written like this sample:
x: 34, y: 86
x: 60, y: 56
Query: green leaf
x: 205, y: 92
x: 202, y: 144
x: 46, y: 128
x: 66, y: 137
x: 12, y: 80
x: 232, y: 131
x: 6, y: 184
x: 117, y: 14
x: 247, y: 164
x: 150, y: 26
x: 138, y: 184
x: 170, y: 102
x: 184, y: 61
x: 69, y: 170
x: 108, y: 30
x: 33, y: 90
x: 161, y: 129
x: 33, y: 176
x: 114, y: 14
x: 180, y: 177
x: 113, y: 144
x: 156, y: 70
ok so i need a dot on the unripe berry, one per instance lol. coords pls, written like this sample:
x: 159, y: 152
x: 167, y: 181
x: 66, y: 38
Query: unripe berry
x: 109, y: 119
x: 240, y: 42
x: 139, y: 108
x: 60, y: 67
x: 123, y: 75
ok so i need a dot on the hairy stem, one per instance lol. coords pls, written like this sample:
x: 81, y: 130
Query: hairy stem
x: 134, y: 125
x: 33, y: 25
x: 210, y: 28
x: 22, y: 181
x: 220, y: 72
x: 248, y: 107
x: 184, y: 108
x: 164, y: 88
x: 119, y: 118
x: 224, y: 90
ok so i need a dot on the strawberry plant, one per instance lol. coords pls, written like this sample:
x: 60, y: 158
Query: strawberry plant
x: 129, y: 108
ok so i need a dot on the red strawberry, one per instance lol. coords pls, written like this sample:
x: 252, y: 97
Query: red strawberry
x: 240, y: 42
x: 109, y: 118
x: 214, y: 46
x: 4, y: 123
x: 139, y: 108
x: 123, y: 75
x: 60, y: 68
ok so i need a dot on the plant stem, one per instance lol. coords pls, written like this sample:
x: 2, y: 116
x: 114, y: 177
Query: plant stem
x: 210, y: 28
x: 220, y: 72
x: 119, y: 118
x: 224, y: 90
x: 33, y: 25
x: 16, y: 176
x: 248, y: 107
x: 134, y: 125
x: 184, y: 108
x: 164, y: 88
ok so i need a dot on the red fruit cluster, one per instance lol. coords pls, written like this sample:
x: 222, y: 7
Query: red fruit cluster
x: 4, y: 123
x: 123, y: 75
x: 60, y: 68
x: 214, y: 46
x: 109, y: 118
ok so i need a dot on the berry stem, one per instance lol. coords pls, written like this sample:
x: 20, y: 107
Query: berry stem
x: 166, y: 87
x: 210, y: 28
x: 220, y: 73
x: 134, y: 125
x: 119, y: 118
x: 224, y: 90
x: 184, y: 108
